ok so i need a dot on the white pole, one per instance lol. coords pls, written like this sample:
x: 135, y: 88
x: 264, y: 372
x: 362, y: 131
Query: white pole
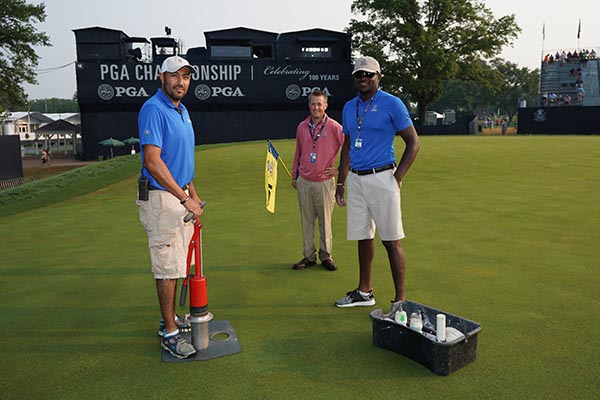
x: 542, y: 62
x: 578, y: 36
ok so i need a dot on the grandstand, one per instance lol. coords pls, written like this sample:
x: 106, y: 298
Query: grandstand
x: 558, y: 77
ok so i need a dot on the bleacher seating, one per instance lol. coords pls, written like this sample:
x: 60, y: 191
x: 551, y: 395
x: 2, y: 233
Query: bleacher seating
x: 557, y: 78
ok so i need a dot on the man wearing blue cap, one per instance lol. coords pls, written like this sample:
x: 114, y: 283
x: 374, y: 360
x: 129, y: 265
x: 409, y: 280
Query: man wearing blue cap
x: 167, y: 142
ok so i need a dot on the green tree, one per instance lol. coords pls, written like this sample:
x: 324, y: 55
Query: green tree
x: 18, y: 58
x: 420, y: 44
x: 470, y: 96
x: 463, y: 96
x: 516, y: 83
x: 505, y: 83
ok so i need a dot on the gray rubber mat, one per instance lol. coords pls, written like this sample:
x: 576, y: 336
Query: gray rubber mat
x: 222, y: 342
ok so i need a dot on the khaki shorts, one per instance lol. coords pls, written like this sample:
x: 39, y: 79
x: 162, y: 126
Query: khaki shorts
x: 168, y: 236
x: 374, y: 202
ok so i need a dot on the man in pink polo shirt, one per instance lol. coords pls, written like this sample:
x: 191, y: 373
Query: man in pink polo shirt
x: 318, y: 141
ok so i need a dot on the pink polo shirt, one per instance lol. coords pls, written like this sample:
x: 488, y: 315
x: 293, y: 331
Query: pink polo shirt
x: 325, y: 143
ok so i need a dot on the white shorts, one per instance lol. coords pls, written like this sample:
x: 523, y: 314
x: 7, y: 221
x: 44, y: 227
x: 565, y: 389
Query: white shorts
x: 374, y: 202
x: 168, y: 236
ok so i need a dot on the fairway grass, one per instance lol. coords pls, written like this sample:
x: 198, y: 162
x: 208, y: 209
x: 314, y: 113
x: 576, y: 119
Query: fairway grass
x: 503, y: 231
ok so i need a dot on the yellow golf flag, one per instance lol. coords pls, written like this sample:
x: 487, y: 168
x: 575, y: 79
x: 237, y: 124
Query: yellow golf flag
x: 271, y: 176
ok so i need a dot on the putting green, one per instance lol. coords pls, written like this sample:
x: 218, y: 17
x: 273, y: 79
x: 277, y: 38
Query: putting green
x: 500, y: 230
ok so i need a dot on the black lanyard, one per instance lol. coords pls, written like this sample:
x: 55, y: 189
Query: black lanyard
x: 312, y: 129
x: 359, y: 120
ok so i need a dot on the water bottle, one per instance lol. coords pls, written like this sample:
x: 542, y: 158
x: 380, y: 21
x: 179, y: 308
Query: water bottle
x: 401, y: 317
x: 416, y: 322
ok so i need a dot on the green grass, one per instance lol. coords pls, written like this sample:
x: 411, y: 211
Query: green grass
x: 64, y: 186
x: 500, y: 230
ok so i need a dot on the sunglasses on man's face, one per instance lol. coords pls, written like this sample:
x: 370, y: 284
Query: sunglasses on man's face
x: 363, y: 74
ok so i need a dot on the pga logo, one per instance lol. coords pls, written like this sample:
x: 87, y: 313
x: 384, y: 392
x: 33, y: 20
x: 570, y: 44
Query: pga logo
x: 539, y: 116
x: 107, y: 92
x: 203, y: 92
x: 294, y: 92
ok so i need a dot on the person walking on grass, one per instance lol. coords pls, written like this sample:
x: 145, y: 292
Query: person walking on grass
x: 371, y: 121
x: 167, y: 151
x: 45, y: 157
x: 318, y: 141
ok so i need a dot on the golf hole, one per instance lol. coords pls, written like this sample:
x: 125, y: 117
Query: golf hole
x: 220, y: 336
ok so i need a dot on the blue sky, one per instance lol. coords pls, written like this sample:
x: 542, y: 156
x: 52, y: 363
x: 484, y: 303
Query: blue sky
x: 188, y: 21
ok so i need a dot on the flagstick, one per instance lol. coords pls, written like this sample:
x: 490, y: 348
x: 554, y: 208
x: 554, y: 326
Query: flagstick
x: 286, y: 168
x: 279, y: 158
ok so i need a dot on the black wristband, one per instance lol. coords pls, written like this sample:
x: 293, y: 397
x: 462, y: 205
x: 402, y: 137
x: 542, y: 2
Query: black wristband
x: 185, y: 200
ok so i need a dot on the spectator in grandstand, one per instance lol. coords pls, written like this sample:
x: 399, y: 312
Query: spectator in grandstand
x: 567, y: 100
x: 563, y: 57
x: 546, y: 58
x: 593, y: 54
x: 587, y: 56
x: 580, y: 94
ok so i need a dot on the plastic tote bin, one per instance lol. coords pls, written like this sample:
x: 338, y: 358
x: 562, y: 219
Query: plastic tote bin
x: 442, y: 358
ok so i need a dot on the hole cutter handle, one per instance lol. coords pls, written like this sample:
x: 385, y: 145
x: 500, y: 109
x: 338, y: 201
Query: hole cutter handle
x: 188, y: 217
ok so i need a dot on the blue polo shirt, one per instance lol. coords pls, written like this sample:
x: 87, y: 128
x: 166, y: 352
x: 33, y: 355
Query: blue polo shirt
x: 385, y: 116
x: 161, y: 124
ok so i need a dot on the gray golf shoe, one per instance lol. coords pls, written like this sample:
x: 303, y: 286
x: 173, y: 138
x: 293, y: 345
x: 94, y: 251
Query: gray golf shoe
x: 355, y: 299
x: 177, y: 346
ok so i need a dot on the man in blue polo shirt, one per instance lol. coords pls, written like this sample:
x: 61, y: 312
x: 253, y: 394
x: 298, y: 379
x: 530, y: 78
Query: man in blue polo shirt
x: 167, y: 150
x: 371, y: 121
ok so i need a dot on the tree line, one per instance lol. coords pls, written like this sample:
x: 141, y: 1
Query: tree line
x: 54, y: 105
x: 503, y: 87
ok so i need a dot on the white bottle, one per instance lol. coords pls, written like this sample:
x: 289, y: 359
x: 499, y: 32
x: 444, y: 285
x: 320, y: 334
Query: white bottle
x: 401, y: 317
x: 416, y: 322
x: 441, y: 327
